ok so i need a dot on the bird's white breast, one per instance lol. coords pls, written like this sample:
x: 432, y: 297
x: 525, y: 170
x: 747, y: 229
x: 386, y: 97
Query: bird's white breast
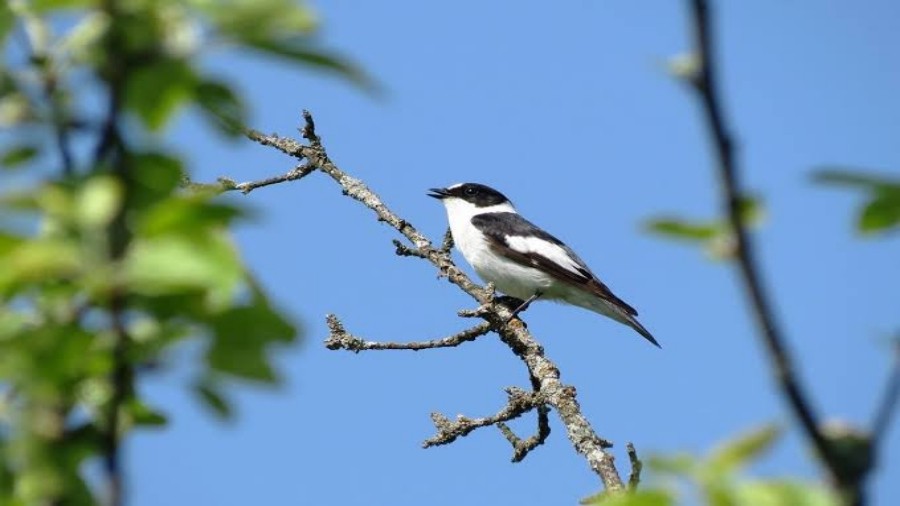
x: 508, y: 277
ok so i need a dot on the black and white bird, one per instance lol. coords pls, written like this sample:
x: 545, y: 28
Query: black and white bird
x: 522, y: 260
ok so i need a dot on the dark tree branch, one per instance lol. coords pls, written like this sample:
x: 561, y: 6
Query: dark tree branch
x: 340, y: 339
x: 732, y: 193
x: 551, y: 391
x: 888, y: 406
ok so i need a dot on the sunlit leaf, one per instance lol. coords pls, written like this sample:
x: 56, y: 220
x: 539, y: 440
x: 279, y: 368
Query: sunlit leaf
x: 682, y: 229
x: 679, y: 464
x: 188, y: 215
x: 172, y: 264
x: 744, y: 448
x: 98, y: 201
x: 783, y: 493
x: 642, y: 497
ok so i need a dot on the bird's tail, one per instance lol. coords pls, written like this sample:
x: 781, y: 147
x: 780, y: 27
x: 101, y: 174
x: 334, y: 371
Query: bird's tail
x: 632, y: 322
x: 625, y: 315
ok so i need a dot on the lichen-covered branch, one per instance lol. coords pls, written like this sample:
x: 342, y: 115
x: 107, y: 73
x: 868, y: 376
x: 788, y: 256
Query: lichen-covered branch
x: 340, y: 339
x: 634, y: 477
x: 519, y: 403
x: 548, y: 388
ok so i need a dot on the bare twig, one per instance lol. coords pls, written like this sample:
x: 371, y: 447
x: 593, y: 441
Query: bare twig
x: 888, y: 406
x: 552, y: 392
x: 447, y: 242
x: 519, y: 403
x: 634, y: 477
x: 705, y: 83
x: 340, y: 339
x: 300, y: 171
x: 405, y: 251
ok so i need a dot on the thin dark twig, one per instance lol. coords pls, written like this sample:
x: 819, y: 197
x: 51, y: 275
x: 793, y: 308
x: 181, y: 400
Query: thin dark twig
x: 110, y: 150
x: 732, y: 193
x: 888, y: 406
x: 634, y: 477
x: 58, y: 116
x: 340, y: 339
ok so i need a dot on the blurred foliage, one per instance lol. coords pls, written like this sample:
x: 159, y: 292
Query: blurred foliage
x: 108, y: 262
x: 717, y: 479
x: 881, y: 212
x: 715, y: 236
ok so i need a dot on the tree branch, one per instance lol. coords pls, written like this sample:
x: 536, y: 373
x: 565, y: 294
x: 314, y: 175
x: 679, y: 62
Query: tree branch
x: 732, y: 193
x: 340, y: 339
x: 519, y: 403
x: 888, y: 406
x: 552, y: 392
x: 634, y: 477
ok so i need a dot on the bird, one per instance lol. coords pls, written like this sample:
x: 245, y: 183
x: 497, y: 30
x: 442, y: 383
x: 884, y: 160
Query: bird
x: 522, y: 260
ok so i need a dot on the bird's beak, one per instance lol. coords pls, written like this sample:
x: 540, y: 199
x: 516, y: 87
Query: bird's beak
x: 438, y: 193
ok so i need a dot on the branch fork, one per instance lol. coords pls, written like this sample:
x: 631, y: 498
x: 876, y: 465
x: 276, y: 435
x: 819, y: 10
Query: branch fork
x: 547, y: 389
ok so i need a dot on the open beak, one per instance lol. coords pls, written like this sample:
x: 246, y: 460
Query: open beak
x: 438, y: 193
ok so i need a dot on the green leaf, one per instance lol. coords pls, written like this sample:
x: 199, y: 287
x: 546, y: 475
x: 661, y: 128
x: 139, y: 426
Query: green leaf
x: 682, y: 229
x: 741, y: 450
x: 642, y: 497
x: 300, y: 51
x: 784, y: 493
x: 843, y: 177
x: 98, y: 201
x: 7, y: 21
x: 213, y: 398
x: 143, y: 415
x: 156, y: 91
x: 221, y: 106
x: 173, y: 264
x: 679, y: 464
x: 189, y: 215
x: 18, y: 155
x: 881, y: 213
x: 242, y: 337
x: 157, y: 176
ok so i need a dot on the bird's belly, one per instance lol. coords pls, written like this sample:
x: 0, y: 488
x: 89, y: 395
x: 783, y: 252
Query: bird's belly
x: 512, y: 278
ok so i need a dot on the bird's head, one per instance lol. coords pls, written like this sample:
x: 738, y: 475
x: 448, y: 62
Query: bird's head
x: 472, y: 196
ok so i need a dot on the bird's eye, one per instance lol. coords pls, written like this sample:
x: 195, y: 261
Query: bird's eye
x: 470, y: 191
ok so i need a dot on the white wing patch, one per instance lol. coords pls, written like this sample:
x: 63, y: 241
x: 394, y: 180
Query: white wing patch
x: 553, y: 252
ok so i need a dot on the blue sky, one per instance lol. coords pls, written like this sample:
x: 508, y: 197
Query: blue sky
x: 566, y: 108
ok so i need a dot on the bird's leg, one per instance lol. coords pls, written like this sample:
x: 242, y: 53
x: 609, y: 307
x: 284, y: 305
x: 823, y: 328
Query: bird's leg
x: 524, y: 305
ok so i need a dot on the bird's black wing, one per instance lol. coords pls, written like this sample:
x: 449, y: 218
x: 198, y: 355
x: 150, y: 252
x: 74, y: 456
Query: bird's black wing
x: 508, y: 234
